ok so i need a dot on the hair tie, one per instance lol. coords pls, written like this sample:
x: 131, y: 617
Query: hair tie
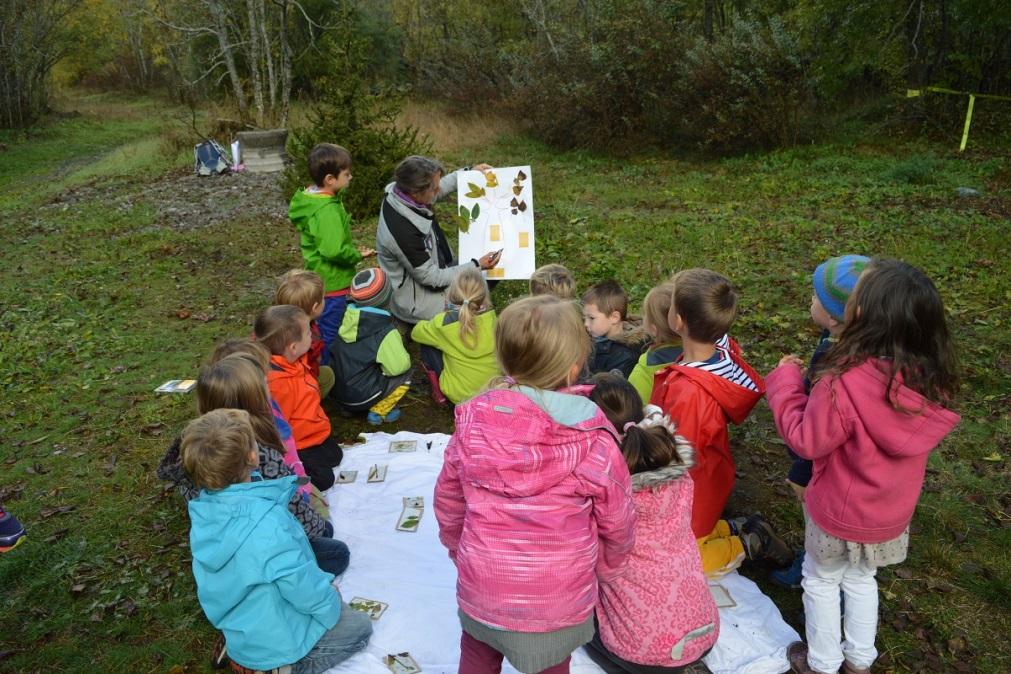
x: 509, y: 380
x: 624, y: 429
x: 465, y: 303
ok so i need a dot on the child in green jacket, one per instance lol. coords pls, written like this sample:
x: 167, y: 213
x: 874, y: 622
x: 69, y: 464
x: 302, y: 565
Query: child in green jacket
x: 458, y: 345
x: 664, y: 346
x: 324, y: 228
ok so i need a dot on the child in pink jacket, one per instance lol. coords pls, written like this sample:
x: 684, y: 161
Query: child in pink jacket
x: 874, y: 414
x: 534, y: 499
x: 659, y: 616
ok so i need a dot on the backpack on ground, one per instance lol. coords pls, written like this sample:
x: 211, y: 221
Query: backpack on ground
x: 210, y: 159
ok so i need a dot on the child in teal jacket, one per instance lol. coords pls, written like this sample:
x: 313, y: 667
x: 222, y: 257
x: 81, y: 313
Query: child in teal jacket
x: 257, y: 579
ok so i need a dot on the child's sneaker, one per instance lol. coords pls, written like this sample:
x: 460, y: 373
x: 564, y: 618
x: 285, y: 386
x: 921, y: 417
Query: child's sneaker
x: 11, y: 531
x: 790, y: 576
x: 761, y: 542
x: 376, y: 419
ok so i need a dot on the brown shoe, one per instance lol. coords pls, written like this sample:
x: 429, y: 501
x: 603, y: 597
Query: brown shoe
x: 847, y: 668
x: 796, y: 654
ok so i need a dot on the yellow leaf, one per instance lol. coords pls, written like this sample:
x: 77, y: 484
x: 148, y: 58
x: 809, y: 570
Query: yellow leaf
x: 995, y: 457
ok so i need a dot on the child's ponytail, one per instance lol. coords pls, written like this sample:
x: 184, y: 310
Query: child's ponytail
x: 469, y: 294
x: 648, y: 439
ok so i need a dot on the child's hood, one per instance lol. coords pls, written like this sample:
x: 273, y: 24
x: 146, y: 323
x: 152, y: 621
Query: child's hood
x: 735, y: 400
x: 352, y: 321
x: 222, y: 520
x: 522, y: 441
x: 896, y: 432
x: 280, y: 368
x: 304, y: 205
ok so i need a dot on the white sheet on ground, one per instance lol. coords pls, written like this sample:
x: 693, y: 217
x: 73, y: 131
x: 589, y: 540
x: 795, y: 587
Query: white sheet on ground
x: 412, y: 573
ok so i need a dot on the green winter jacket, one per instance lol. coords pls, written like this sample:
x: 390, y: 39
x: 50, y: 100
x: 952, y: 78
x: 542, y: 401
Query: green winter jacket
x: 325, y: 237
x: 466, y: 370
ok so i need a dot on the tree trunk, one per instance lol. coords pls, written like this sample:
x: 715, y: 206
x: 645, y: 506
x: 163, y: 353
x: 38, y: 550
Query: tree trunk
x: 707, y: 20
x: 221, y: 29
x: 254, y: 57
x: 285, y: 64
x: 268, y: 56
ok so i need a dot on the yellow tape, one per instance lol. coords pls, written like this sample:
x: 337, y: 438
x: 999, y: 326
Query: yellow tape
x: 913, y: 93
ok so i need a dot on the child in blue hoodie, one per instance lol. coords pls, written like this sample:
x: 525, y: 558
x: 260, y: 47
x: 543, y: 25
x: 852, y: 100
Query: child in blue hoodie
x: 257, y: 579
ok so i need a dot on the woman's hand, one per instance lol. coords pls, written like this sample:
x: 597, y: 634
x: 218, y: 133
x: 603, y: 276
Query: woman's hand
x: 366, y: 252
x: 791, y: 359
x: 481, y: 167
x: 489, y: 260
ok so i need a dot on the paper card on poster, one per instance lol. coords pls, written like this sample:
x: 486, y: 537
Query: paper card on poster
x: 499, y: 208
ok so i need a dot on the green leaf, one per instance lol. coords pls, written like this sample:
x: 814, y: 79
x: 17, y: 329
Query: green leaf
x: 474, y: 191
x: 475, y: 212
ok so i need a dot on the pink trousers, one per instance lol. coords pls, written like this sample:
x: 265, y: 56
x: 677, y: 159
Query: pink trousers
x: 477, y: 657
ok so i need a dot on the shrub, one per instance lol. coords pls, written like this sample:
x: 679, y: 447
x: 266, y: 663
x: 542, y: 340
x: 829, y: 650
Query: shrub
x: 356, y: 113
x: 746, y: 89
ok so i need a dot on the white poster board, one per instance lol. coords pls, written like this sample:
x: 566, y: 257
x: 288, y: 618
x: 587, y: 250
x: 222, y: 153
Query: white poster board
x: 496, y: 211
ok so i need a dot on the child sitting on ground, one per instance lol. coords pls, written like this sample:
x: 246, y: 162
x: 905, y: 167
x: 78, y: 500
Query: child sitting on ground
x: 707, y: 386
x: 324, y: 228
x: 237, y: 382
x: 553, y: 279
x: 284, y: 330
x: 458, y: 345
x: 257, y: 580
x: 659, y: 616
x: 833, y: 281
x: 874, y: 414
x: 533, y: 501
x: 663, y: 349
x: 617, y: 343
x: 304, y: 289
x: 368, y: 356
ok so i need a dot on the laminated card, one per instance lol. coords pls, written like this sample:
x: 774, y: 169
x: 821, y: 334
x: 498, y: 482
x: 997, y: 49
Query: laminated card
x: 496, y: 212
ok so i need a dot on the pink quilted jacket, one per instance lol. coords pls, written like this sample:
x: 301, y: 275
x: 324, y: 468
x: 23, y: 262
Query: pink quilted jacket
x: 534, y: 505
x: 660, y: 612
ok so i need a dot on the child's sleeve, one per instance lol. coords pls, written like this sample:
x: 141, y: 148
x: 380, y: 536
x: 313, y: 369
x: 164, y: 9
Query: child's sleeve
x: 449, y: 502
x: 304, y: 585
x: 613, y: 511
x: 810, y: 425
x: 332, y: 230
x: 392, y: 356
x: 425, y: 332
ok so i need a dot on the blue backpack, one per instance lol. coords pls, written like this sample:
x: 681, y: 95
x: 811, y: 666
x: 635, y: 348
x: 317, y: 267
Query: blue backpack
x: 210, y: 158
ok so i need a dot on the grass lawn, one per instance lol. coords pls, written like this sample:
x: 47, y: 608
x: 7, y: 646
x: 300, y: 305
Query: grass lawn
x: 103, y: 301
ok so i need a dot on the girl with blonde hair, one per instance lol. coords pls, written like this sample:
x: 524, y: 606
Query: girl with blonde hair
x: 664, y: 346
x: 458, y: 345
x: 534, y: 498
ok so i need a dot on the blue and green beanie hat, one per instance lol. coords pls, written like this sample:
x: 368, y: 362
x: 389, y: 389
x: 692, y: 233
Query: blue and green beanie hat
x: 834, y: 281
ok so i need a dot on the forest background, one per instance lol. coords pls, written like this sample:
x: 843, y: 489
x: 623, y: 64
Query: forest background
x: 757, y: 138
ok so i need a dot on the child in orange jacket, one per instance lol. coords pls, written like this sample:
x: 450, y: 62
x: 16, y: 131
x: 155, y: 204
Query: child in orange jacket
x: 707, y: 386
x: 284, y: 329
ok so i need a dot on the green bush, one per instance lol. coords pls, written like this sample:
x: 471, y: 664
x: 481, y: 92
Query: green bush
x: 746, y: 89
x: 356, y: 113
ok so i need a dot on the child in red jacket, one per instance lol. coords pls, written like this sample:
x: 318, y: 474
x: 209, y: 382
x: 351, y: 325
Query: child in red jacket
x: 284, y: 329
x: 304, y: 289
x: 709, y: 385
x: 874, y: 414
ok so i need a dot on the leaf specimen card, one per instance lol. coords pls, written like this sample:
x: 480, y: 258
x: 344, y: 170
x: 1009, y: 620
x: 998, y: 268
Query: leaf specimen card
x: 495, y: 211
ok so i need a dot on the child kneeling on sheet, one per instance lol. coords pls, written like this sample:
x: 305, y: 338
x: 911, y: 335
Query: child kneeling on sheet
x: 284, y: 329
x: 458, y: 345
x: 709, y: 385
x: 659, y: 616
x: 257, y: 579
x: 534, y: 500
x: 370, y: 363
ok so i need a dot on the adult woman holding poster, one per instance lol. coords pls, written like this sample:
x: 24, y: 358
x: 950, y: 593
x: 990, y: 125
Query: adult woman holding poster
x: 411, y: 246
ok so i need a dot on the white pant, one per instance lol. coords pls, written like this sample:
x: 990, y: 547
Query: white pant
x: 821, y: 584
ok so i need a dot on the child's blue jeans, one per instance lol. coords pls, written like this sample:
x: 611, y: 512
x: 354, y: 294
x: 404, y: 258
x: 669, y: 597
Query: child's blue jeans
x: 350, y: 635
x: 329, y: 322
x: 332, y: 556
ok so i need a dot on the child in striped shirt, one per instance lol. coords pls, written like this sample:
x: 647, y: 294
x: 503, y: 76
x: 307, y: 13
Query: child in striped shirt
x: 707, y: 385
